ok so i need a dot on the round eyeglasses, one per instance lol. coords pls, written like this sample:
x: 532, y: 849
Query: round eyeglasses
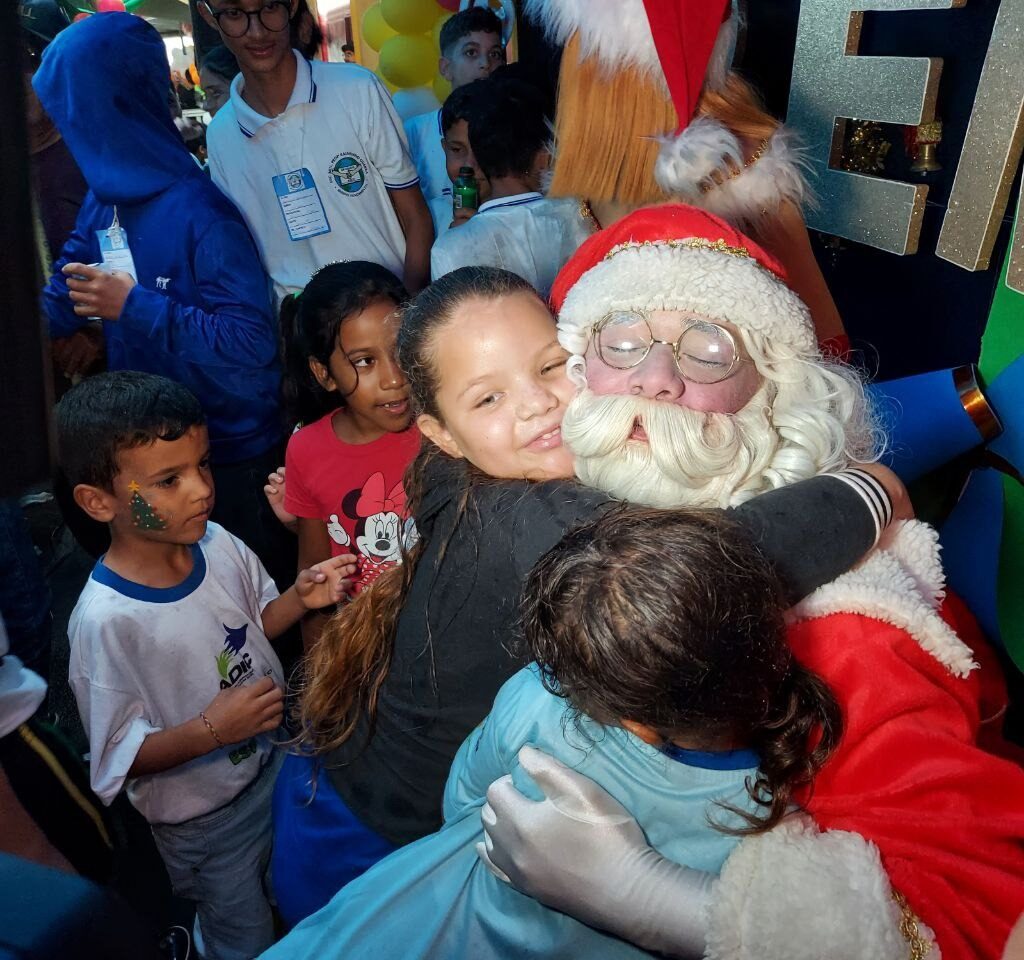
x: 704, y: 353
x: 234, y: 22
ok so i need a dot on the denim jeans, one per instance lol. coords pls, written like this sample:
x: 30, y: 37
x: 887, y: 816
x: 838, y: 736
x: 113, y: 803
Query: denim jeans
x: 220, y: 861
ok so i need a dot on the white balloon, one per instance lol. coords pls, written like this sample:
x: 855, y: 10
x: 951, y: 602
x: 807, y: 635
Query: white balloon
x: 413, y: 102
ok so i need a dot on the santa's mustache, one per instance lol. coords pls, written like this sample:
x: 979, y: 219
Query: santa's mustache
x: 690, y: 457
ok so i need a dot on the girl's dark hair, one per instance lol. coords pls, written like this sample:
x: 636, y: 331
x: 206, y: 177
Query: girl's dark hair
x: 349, y: 663
x: 672, y: 619
x: 311, y: 323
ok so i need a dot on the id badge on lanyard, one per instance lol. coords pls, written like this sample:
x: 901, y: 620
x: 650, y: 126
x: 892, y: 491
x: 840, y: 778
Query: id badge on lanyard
x: 114, y: 250
x: 303, y: 210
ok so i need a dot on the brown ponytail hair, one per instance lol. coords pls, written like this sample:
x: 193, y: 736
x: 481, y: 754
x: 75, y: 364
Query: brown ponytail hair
x: 346, y: 668
x: 673, y: 620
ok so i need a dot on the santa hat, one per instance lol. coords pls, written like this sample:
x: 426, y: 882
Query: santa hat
x: 686, y: 45
x: 675, y: 257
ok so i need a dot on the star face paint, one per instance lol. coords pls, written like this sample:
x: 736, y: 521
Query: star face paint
x: 144, y: 515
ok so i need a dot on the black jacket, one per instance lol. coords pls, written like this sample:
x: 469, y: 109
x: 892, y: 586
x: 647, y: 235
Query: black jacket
x: 456, y: 645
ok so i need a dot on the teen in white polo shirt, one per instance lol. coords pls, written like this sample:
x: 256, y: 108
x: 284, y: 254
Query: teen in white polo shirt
x: 471, y: 48
x: 313, y: 155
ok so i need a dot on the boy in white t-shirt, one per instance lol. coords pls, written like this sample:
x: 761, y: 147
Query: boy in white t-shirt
x: 171, y: 664
x: 517, y: 228
x: 471, y: 49
x: 313, y: 155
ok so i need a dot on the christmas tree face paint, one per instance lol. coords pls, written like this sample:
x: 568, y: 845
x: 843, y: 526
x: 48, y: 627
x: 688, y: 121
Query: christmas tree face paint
x: 144, y: 515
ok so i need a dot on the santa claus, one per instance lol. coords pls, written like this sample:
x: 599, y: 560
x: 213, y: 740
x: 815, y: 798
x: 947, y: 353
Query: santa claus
x: 650, y: 110
x: 701, y: 384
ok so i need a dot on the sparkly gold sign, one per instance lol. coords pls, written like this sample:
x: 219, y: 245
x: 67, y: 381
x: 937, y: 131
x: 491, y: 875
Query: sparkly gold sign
x: 831, y: 84
x: 990, y: 155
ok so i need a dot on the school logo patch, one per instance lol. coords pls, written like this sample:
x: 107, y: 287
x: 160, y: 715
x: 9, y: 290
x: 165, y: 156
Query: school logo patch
x: 348, y: 174
x: 234, y: 664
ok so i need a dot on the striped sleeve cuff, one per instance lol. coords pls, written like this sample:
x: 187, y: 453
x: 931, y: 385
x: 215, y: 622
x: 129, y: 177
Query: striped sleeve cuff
x: 873, y: 494
x: 402, y: 186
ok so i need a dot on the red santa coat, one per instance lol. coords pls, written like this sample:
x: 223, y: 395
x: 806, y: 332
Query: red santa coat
x: 946, y: 816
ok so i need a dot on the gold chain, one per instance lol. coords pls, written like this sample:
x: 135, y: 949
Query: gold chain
x: 910, y: 929
x: 716, y: 177
x: 697, y: 243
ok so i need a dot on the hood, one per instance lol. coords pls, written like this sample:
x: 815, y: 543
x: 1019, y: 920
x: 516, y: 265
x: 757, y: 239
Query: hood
x: 105, y: 82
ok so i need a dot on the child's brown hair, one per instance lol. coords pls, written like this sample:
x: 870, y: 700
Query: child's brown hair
x: 673, y: 620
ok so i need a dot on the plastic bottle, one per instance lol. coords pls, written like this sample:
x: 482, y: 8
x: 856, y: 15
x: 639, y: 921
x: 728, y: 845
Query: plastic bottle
x: 466, y: 193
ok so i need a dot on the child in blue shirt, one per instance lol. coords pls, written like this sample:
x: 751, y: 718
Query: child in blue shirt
x: 664, y: 675
x: 171, y: 660
x: 164, y: 259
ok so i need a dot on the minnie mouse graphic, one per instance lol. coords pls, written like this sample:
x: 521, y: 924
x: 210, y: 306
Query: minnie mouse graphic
x: 379, y: 515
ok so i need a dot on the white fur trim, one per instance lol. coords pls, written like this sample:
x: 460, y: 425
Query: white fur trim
x: 718, y: 285
x: 618, y: 34
x: 796, y: 893
x: 687, y: 160
x: 684, y: 162
x: 900, y: 582
x: 614, y: 31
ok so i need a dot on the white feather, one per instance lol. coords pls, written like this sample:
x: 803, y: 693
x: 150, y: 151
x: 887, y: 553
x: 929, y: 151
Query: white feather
x: 746, y: 199
x: 686, y: 160
x: 617, y: 33
x: 723, y: 53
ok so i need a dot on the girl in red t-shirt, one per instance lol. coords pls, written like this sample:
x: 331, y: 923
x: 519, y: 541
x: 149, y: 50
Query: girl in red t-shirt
x: 345, y: 467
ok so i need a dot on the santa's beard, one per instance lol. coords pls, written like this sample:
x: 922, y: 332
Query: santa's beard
x: 690, y: 457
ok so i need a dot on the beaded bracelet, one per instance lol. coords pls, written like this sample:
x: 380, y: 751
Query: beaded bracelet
x: 209, y: 726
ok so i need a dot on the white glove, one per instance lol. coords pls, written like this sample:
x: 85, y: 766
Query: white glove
x: 581, y: 852
x: 337, y: 532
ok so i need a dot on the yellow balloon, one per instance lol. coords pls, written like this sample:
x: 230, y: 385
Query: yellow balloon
x: 408, y: 61
x: 376, y: 31
x: 438, y: 24
x: 441, y: 88
x: 388, y: 85
x: 409, y: 16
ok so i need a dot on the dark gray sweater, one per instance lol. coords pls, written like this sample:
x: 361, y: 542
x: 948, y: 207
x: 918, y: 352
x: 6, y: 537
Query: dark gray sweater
x: 455, y: 642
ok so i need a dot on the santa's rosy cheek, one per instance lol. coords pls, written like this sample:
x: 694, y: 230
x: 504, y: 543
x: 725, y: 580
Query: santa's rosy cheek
x: 729, y: 396
x: 604, y: 380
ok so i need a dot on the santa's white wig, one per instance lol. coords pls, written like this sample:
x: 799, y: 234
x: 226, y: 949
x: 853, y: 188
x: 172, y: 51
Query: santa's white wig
x: 809, y: 416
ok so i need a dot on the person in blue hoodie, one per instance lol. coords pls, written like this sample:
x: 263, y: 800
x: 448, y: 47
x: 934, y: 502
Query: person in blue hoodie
x: 165, y: 260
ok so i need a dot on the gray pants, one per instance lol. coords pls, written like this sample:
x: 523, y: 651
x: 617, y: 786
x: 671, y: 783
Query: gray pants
x: 220, y: 861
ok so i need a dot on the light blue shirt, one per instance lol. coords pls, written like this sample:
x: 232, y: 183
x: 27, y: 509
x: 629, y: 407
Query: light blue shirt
x: 435, y: 899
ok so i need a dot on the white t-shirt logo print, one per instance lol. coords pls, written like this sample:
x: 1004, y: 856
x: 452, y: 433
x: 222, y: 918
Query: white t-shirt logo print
x: 348, y: 174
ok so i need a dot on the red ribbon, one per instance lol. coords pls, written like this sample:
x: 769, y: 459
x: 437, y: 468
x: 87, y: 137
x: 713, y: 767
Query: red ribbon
x: 375, y: 499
